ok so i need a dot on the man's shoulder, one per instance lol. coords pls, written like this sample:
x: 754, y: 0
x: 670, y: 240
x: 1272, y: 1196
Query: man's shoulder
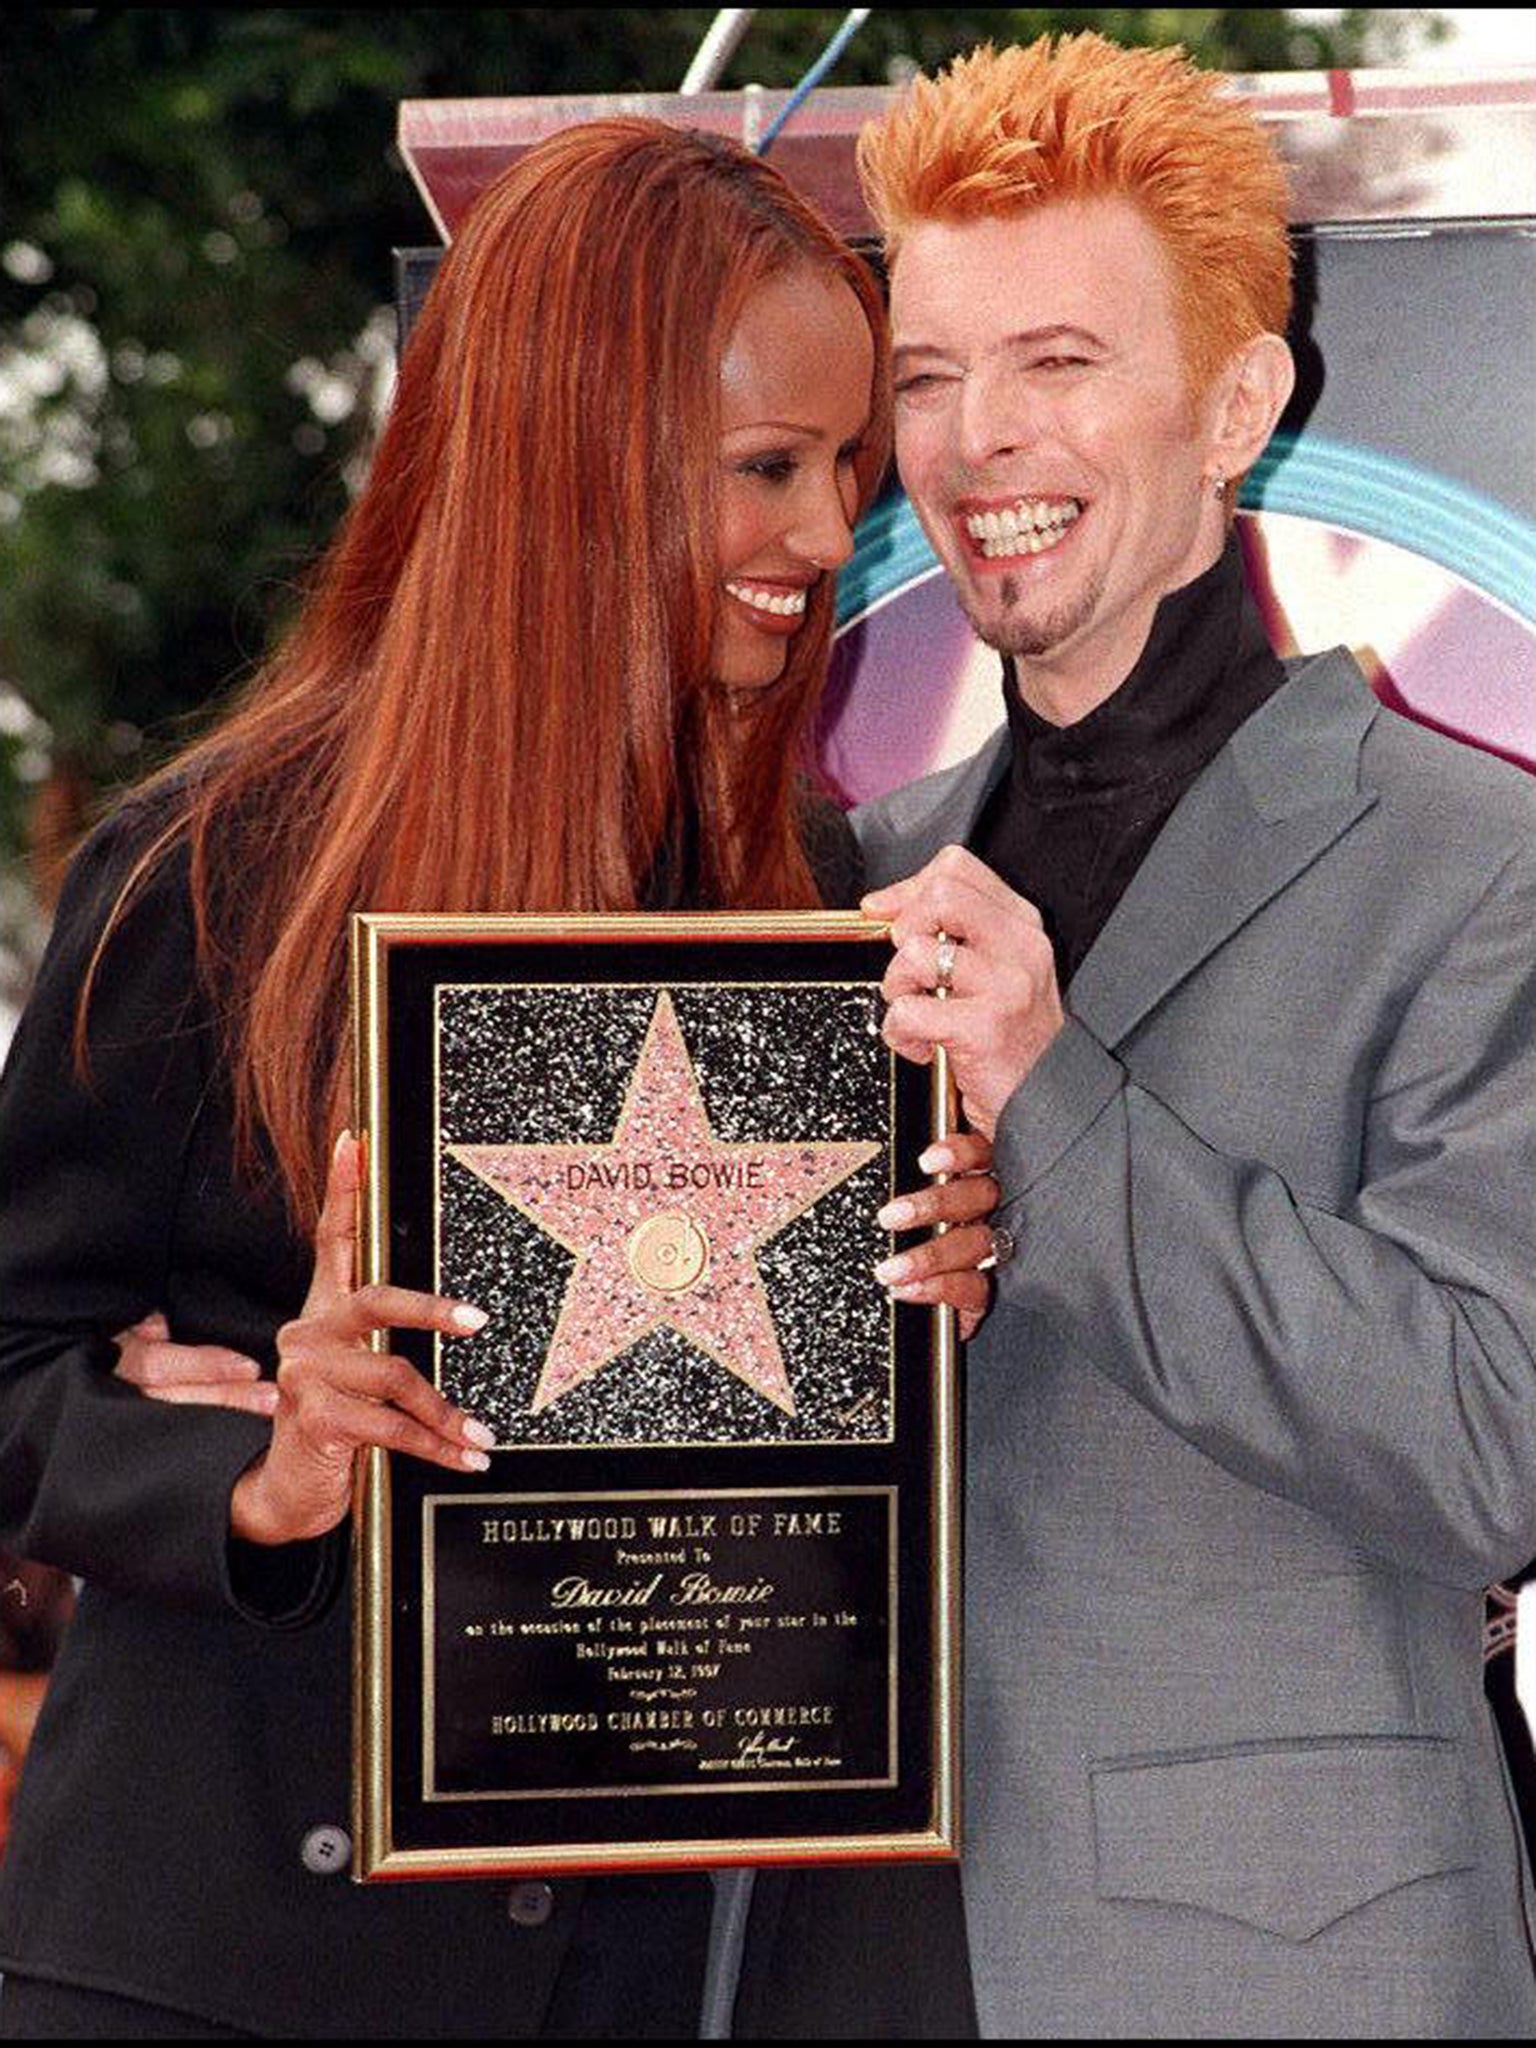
x: 1442, y: 819
x: 905, y: 827
x: 1409, y: 762
x: 1449, y: 805
x: 910, y: 802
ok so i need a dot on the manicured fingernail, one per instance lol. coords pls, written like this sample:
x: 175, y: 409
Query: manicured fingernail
x: 937, y: 1159
x: 912, y: 1293
x: 468, y: 1319
x: 475, y: 1461
x: 897, y: 1215
x: 476, y: 1432
x: 889, y: 1271
x: 343, y: 1138
x: 266, y: 1398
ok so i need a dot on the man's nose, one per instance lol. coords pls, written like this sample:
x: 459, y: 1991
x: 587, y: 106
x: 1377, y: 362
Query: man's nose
x: 997, y: 417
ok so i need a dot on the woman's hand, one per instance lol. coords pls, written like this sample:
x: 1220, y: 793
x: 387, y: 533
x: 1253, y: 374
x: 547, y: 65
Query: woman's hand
x: 205, y: 1374
x: 336, y: 1396
x: 950, y: 1267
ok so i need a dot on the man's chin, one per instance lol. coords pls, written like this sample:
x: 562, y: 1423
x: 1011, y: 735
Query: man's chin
x: 1008, y: 626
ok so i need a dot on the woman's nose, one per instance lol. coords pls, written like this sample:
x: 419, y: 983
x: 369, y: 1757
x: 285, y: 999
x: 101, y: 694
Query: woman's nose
x: 825, y: 536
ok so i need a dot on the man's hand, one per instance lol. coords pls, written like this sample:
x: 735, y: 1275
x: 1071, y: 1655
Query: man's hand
x: 207, y: 1375
x: 1003, y: 1008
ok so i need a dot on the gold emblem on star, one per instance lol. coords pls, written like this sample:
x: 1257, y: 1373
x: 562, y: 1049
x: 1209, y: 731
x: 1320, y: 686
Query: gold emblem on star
x: 668, y: 1253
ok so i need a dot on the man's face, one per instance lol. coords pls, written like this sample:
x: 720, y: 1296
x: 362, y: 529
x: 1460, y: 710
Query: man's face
x: 1045, y: 430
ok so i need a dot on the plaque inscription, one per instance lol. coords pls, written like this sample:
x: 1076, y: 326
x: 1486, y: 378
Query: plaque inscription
x: 660, y: 1642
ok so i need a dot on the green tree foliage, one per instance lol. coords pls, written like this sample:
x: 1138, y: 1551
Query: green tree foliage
x: 197, y: 208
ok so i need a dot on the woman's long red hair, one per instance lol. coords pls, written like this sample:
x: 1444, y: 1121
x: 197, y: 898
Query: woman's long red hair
x: 498, y: 695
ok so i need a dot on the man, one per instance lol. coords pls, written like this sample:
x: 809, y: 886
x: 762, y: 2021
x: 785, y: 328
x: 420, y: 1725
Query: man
x: 1239, y: 970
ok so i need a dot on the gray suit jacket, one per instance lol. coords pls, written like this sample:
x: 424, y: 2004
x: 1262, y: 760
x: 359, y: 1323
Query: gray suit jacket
x: 1254, y: 1418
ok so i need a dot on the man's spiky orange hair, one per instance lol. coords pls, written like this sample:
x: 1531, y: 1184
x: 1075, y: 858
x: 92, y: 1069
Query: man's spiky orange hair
x: 1002, y: 131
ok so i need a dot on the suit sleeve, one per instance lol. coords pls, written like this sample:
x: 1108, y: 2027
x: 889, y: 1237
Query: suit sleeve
x: 94, y: 1477
x: 1375, y: 1366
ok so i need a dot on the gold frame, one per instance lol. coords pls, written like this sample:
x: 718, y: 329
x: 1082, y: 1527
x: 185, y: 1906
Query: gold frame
x: 373, y: 936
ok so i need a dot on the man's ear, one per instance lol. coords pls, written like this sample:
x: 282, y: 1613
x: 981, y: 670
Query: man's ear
x: 1247, y: 399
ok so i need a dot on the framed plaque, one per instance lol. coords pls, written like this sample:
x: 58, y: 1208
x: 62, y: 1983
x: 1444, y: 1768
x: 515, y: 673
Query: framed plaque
x: 702, y: 1608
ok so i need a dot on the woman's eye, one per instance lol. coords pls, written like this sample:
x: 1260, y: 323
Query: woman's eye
x: 773, y: 469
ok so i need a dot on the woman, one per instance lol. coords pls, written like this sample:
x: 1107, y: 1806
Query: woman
x: 561, y: 656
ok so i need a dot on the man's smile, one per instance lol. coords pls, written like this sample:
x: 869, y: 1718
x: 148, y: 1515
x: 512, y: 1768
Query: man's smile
x: 1016, y: 526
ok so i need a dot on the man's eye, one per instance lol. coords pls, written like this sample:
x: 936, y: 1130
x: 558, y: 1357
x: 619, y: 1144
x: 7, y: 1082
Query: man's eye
x: 915, y: 385
x: 1061, y: 363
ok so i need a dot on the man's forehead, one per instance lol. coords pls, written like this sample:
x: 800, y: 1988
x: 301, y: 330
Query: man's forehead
x: 1093, y: 265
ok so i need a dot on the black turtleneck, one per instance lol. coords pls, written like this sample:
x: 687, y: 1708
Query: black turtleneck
x: 1079, y: 805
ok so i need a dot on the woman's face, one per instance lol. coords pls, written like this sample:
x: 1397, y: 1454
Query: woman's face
x: 794, y: 390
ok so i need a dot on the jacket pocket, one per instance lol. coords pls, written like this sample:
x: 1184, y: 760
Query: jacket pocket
x: 1288, y: 1836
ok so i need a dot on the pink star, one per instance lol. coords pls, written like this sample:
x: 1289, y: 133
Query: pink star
x: 665, y: 1223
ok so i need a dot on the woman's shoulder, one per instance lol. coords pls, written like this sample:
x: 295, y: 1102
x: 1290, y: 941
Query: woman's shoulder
x: 124, y: 922
x: 115, y: 1027
x: 829, y: 845
x: 141, y: 839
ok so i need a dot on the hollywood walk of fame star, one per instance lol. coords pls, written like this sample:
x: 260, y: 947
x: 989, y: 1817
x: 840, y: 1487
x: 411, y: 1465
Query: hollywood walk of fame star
x: 664, y: 1222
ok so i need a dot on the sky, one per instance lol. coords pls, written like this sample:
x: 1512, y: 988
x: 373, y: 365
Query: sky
x: 1483, y: 35
x: 1487, y: 35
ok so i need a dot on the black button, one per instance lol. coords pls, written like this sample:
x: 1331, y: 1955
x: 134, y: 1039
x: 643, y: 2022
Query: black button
x: 530, y: 1905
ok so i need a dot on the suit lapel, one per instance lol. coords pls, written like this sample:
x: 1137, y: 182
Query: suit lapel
x: 1283, y: 789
